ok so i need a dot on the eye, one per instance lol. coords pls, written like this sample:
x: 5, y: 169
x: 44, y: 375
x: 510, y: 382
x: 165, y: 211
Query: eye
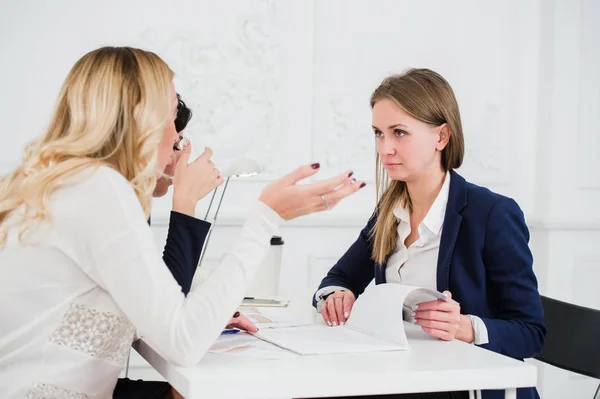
x: 399, y: 133
x: 378, y: 134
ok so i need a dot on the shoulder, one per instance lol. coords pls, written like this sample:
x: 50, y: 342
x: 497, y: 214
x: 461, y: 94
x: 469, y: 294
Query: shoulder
x: 490, y: 210
x: 106, y: 178
x: 99, y: 183
x: 95, y: 206
x: 95, y: 192
x: 483, y: 200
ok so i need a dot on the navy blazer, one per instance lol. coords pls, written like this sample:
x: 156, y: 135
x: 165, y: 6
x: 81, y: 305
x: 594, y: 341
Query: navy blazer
x: 183, y: 247
x: 484, y: 261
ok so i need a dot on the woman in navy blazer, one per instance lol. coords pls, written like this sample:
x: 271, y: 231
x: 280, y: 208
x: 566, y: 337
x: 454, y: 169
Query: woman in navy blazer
x: 483, y: 257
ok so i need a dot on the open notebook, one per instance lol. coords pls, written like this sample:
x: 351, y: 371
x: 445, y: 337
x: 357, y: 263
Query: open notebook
x: 375, y: 324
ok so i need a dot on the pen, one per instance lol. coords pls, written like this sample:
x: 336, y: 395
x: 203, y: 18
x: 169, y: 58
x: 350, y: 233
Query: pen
x: 232, y: 331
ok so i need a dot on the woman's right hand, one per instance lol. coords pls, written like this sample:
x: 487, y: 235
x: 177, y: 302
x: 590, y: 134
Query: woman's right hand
x: 291, y: 200
x: 193, y: 181
x: 337, y: 308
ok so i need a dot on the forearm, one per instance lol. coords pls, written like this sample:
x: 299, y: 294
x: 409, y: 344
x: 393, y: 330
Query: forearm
x: 180, y: 329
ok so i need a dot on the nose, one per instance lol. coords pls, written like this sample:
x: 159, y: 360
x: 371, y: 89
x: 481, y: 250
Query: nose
x: 385, y: 147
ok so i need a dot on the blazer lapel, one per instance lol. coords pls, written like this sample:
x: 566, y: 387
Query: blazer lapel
x: 457, y: 200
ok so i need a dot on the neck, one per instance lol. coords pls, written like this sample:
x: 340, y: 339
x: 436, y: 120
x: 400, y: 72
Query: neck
x: 424, y: 190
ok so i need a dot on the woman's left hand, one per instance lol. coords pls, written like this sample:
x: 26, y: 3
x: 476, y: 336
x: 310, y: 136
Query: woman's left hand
x: 443, y: 320
x: 240, y: 321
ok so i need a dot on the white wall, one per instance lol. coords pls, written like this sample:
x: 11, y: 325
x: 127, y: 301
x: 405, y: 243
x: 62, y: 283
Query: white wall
x: 289, y: 83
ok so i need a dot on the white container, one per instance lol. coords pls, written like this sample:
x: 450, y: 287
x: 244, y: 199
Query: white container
x: 266, y: 281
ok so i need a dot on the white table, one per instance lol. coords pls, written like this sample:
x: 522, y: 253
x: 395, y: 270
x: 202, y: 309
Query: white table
x: 429, y: 365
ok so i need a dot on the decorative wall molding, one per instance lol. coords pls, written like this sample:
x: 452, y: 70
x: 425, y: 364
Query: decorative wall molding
x: 350, y: 144
x: 359, y: 221
x: 315, y: 220
x: 485, y: 148
x: 564, y: 225
x: 232, y: 82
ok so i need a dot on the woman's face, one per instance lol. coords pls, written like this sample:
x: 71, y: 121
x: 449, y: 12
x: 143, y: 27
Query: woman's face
x: 407, y: 147
x: 169, y: 137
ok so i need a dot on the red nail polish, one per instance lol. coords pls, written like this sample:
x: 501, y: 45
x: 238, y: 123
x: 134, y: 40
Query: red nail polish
x: 350, y: 174
x: 236, y: 314
x: 315, y: 165
x: 362, y: 184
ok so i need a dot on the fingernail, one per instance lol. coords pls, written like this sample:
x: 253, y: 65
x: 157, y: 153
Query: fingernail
x: 416, y: 307
x: 315, y: 165
x: 350, y: 174
x: 236, y: 314
x: 346, y: 315
x: 334, y: 324
x: 341, y: 323
x: 353, y: 181
x: 362, y: 184
x: 413, y: 314
x: 329, y: 323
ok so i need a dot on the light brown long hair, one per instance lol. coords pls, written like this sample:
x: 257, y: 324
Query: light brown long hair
x: 427, y: 96
x: 111, y: 110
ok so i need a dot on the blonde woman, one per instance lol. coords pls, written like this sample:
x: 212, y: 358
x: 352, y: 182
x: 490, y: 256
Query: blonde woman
x: 432, y: 228
x: 79, y: 270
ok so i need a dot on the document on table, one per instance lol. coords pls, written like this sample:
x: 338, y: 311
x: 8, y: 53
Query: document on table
x: 246, y: 346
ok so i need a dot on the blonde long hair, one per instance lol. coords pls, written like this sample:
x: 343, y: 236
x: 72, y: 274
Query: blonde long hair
x: 111, y: 110
x: 428, y: 97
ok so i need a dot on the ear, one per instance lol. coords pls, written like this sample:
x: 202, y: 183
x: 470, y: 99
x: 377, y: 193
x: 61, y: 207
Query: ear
x: 443, y: 137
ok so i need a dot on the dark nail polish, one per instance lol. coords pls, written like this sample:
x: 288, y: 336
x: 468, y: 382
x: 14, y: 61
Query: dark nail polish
x: 350, y: 174
x: 236, y: 314
x: 315, y: 165
x: 362, y: 184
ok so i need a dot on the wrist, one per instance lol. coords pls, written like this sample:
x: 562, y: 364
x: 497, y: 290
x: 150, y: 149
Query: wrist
x: 184, y: 206
x: 465, y: 332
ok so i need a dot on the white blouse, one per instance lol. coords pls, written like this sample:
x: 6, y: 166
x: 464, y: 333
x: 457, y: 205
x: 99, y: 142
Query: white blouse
x: 70, y: 304
x: 417, y: 264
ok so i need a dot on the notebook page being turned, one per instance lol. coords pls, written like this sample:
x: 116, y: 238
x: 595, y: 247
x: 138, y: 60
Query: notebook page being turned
x: 419, y: 295
x: 378, y: 312
x: 375, y: 324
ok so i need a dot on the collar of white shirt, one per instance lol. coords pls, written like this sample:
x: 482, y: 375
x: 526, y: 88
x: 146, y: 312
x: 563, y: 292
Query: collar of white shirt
x: 435, y: 217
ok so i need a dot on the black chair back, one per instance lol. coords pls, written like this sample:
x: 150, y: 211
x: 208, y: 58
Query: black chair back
x: 573, y: 337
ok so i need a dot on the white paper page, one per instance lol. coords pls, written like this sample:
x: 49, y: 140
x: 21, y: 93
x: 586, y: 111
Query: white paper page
x: 419, y: 295
x: 320, y: 339
x: 422, y: 295
x: 378, y: 311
